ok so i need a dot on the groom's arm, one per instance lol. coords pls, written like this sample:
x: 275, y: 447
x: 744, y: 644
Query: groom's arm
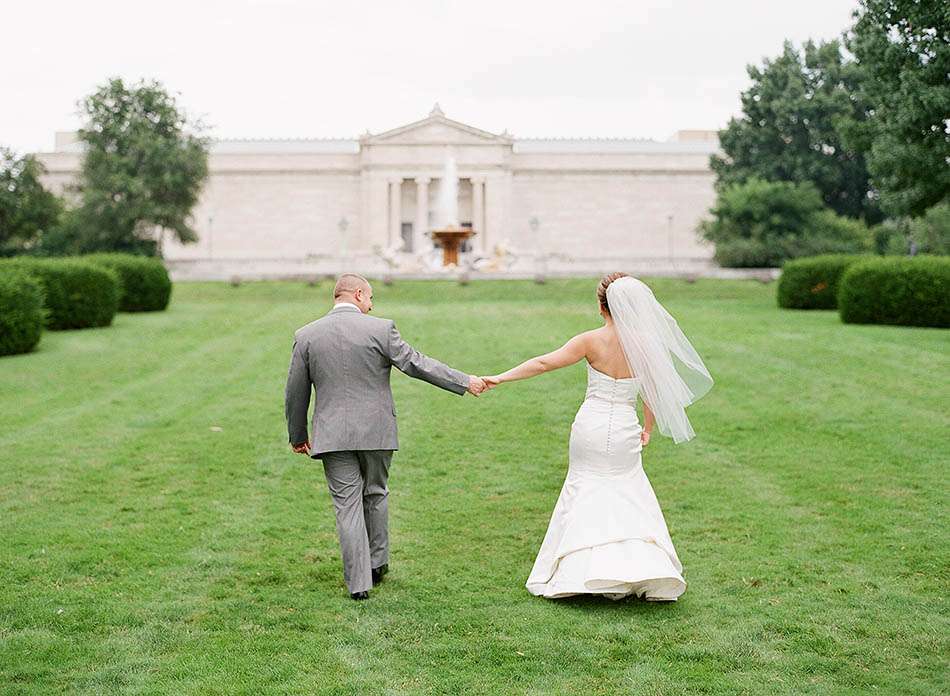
x: 419, y: 366
x: 297, y: 396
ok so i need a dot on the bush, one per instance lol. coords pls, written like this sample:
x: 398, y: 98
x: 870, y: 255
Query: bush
x: 21, y: 311
x: 77, y: 294
x: 745, y: 253
x: 812, y: 283
x: 906, y: 291
x: 930, y: 233
x: 764, y: 223
x: 891, y: 238
x: 145, y: 285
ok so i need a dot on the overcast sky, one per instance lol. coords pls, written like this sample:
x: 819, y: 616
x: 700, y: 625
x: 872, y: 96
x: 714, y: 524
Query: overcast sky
x: 289, y: 68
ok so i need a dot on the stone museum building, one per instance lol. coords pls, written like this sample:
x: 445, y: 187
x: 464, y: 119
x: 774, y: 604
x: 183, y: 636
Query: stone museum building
x: 392, y: 202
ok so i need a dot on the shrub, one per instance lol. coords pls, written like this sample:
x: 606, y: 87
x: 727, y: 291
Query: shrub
x: 21, y: 311
x: 77, y: 294
x: 145, y: 285
x: 930, y: 233
x: 764, y: 223
x: 907, y: 291
x: 891, y: 237
x: 812, y: 283
x: 745, y: 253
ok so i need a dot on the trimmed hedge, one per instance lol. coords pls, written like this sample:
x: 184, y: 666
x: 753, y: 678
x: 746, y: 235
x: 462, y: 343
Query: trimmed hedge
x: 21, y: 311
x: 812, y: 283
x: 907, y: 291
x: 77, y: 294
x: 146, y: 286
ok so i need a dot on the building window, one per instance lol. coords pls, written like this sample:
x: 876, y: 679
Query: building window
x: 466, y: 245
x: 406, y: 232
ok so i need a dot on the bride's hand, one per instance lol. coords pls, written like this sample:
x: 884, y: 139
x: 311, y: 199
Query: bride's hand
x: 644, y: 438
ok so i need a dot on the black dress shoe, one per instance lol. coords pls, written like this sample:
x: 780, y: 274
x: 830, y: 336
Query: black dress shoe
x: 360, y: 595
x: 378, y: 573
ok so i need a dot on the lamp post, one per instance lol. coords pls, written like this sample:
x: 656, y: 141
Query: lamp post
x: 342, y: 225
x: 211, y: 236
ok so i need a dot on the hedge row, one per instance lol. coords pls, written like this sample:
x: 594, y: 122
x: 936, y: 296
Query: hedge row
x: 812, y: 283
x: 144, y: 282
x: 907, y: 291
x: 74, y: 293
x: 21, y: 311
x: 77, y: 294
x: 870, y: 289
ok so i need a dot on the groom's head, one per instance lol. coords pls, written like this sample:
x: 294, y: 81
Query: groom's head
x: 354, y: 289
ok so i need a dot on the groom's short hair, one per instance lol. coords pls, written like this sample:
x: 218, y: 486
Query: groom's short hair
x: 349, y: 283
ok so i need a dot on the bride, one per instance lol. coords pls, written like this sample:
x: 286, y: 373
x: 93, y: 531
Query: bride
x: 607, y: 534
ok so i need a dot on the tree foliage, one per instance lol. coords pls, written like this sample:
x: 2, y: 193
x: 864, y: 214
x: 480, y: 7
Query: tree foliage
x: 795, y: 119
x: 142, y: 171
x: 764, y: 223
x: 902, y: 49
x: 27, y: 209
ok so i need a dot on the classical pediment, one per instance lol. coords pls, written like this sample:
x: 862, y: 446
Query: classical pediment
x: 436, y: 129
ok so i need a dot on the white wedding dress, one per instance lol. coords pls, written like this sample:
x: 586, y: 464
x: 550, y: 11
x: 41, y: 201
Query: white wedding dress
x: 607, y: 534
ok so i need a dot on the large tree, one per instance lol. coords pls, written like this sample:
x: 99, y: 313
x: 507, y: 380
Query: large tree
x: 142, y: 171
x: 27, y: 209
x: 794, y: 118
x: 903, y: 50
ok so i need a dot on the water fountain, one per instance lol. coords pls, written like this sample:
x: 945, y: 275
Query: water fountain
x: 448, y: 231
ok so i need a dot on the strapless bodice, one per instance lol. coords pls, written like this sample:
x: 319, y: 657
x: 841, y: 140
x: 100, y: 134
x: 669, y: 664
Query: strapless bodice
x: 602, y: 387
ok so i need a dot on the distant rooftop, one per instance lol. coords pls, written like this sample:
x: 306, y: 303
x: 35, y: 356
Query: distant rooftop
x: 613, y: 145
x: 236, y: 146
x: 684, y: 141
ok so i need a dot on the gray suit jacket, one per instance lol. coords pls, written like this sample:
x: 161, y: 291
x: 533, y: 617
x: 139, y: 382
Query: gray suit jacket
x: 346, y: 356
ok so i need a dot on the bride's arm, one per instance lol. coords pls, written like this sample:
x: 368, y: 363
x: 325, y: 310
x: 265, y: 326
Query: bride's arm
x: 568, y: 354
x: 648, y: 421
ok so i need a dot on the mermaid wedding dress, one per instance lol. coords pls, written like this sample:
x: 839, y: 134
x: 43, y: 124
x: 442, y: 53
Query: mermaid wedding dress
x: 607, y: 534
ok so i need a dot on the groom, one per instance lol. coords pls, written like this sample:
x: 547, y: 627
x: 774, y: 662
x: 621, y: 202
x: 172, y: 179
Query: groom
x: 346, y: 357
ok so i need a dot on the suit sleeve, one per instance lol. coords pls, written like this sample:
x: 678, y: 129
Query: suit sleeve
x: 418, y: 366
x: 297, y: 395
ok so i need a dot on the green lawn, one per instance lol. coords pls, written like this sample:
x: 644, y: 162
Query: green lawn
x: 160, y: 537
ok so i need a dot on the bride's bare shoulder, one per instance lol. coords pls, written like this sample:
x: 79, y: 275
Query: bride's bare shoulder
x: 587, y: 337
x: 598, y: 335
x: 590, y: 342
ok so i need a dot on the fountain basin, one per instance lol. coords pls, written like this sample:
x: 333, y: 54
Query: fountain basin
x: 451, y: 239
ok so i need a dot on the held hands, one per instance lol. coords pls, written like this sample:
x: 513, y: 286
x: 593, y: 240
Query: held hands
x: 479, y: 385
x: 302, y: 448
x: 476, y: 385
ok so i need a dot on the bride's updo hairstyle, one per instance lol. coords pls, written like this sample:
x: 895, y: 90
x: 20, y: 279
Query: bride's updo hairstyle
x: 602, y: 288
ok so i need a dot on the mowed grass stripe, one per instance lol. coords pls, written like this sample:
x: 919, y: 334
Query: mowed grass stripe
x: 811, y: 541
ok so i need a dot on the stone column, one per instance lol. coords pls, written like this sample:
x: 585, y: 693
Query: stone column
x: 374, y: 219
x: 498, y: 209
x: 421, y: 225
x: 478, y: 212
x: 395, y: 212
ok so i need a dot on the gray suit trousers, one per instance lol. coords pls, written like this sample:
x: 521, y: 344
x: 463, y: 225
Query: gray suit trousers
x: 357, y: 480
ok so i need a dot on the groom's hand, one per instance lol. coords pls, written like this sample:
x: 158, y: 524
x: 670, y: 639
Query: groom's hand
x: 302, y: 448
x: 476, y: 385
